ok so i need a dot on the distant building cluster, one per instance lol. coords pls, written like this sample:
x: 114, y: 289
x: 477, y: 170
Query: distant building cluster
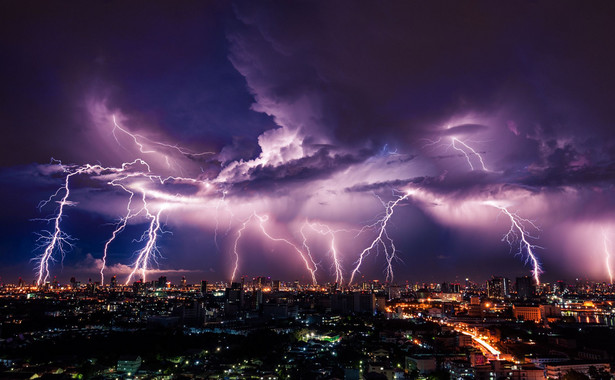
x: 157, y: 330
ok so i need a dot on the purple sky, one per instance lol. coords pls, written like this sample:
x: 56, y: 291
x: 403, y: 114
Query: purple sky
x: 316, y: 122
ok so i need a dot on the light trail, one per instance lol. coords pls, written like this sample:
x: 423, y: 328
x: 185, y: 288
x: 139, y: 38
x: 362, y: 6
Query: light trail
x: 484, y: 344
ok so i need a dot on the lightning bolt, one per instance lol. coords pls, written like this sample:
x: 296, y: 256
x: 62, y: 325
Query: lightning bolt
x: 137, y: 139
x: 607, y: 255
x: 467, y: 155
x: 148, y: 253
x: 55, y: 239
x: 222, y: 201
x: 325, y: 230
x: 382, y: 239
x: 306, y: 257
x: 519, y: 234
x: 119, y: 227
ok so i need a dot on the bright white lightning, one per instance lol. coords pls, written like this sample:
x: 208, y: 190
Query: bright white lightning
x: 382, y: 239
x: 468, y: 154
x: 58, y: 239
x: 222, y: 201
x: 148, y: 253
x: 306, y: 257
x: 519, y: 234
x: 607, y: 255
x: 325, y: 230
x: 136, y: 137
x: 119, y: 227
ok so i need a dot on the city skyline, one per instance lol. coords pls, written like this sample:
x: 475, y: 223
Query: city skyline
x: 315, y: 141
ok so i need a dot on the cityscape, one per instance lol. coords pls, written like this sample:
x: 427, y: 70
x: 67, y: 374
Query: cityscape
x: 270, y: 329
x: 291, y: 189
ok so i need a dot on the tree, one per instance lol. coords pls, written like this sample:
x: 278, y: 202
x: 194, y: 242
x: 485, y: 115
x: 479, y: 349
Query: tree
x: 596, y: 374
x: 574, y: 375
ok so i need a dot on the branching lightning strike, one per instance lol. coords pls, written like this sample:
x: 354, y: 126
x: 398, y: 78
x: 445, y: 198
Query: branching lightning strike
x: 382, y: 239
x: 309, y: 262
x: 467, y: 155
x: 325, y: 230
x: 519, y: 234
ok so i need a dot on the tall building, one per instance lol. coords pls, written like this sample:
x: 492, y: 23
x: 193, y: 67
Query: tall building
x: 261, y: 282
x: 203, y: 287
x: 454, y: 288
x: 525, y: 287
x: 498, y: 287
x: 234, y: 298
x: 162, y: 282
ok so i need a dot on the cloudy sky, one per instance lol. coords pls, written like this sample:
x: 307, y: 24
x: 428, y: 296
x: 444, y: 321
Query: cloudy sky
x: 320, y: 141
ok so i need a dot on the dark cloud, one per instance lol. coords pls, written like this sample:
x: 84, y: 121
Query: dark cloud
x: 380, y: 73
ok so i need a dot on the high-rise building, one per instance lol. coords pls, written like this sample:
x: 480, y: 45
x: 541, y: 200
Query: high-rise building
x: 234, y: 298
x: 526, y: 288
x: 454, y: 288
x: 162, y: 282
x: 276, y: 286
x: 498, y: 287
x: 203, y: 287
x: 444, y: 288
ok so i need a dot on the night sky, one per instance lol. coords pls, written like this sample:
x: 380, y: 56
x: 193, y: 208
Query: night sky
x: 314, y: 122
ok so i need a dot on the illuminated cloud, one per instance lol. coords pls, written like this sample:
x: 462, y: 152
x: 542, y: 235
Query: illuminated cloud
x: 329, y: 114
